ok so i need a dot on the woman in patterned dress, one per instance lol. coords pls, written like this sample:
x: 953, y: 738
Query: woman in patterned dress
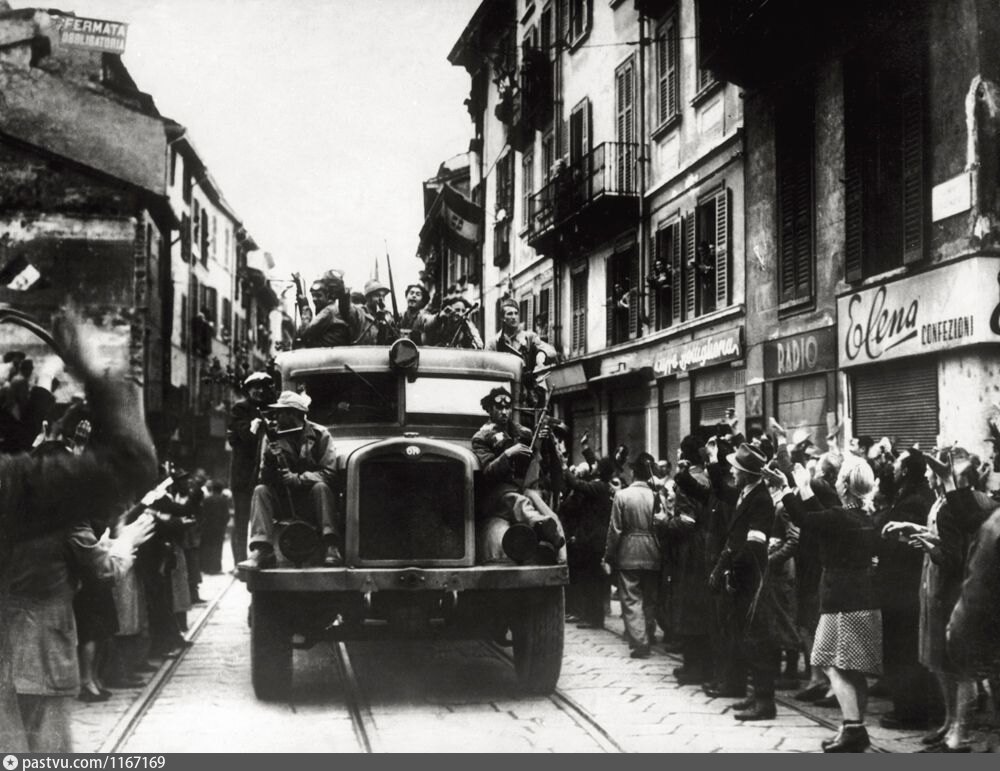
x: 848, y: 641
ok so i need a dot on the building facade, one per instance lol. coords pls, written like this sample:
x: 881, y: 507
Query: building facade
x: 612, y: 181
x: 872, y: 213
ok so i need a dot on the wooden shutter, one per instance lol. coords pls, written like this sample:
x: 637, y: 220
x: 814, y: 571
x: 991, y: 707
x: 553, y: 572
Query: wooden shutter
x: 634, y: 293
x: 795, y: 199
x: 579, y: 300
x: 564, y: 19
x: 666, y: 68
x: 854, y: 137
x: 625, y: 125
x: 722, y: 249
x: 690, y: 273
x: 676, y: 266
x: 611, y: 312
x: 912, y: 116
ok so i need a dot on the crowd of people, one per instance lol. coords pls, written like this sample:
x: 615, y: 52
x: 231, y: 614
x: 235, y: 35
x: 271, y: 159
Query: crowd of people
x: 878, y: 564
x: 99, y: 564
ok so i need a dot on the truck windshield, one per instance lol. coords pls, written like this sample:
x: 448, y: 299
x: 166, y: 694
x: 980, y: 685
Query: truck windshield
x: 340, y: 398
x: 430, y: 398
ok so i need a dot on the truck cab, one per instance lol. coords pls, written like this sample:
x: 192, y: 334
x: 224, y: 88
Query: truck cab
x: 408, y: 486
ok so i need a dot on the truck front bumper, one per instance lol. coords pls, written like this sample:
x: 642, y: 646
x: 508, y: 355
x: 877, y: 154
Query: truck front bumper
x: 363, y: 580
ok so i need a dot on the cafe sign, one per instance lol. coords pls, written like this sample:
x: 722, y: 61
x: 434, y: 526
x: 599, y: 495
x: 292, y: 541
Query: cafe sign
x: 91, y: 34
x: 696, y: 354
x: 803, y: 354
x: 950, y: 307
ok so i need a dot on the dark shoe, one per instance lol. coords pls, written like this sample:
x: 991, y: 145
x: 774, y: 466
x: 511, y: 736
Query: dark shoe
x: 259, y: 559
x: 90, y: 697
x: 744, y: 705
x: 852, y: 738
x: 827, y: 701
x: 896, y: 722
x: 197, y: 600
x: 546, y: 554
x: 519, y: 543
x: 688, y: 678
x: 786, y: 684
x: 333, y: 558
x: 934, y: 737
x: 762, y: 709
x: 641, y: 652
x: 548, y: 531
x: 812, y: 692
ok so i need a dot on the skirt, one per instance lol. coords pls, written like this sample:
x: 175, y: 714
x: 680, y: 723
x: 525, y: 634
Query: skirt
x: 849, y: 641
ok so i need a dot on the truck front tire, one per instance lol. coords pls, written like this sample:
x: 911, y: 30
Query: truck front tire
x: 270, y: 647
x: 537, y: 629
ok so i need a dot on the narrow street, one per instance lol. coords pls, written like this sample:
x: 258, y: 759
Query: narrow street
x: 433, y: 697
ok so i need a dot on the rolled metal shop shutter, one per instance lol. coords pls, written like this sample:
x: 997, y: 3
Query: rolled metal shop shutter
x: 898, y: 400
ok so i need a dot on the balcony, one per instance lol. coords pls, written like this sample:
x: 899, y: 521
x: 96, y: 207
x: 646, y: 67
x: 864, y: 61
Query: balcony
x: 593, y: 197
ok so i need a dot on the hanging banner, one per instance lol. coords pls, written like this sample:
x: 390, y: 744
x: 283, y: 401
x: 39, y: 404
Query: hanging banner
x: 91, y: 34
x: 953, y: 306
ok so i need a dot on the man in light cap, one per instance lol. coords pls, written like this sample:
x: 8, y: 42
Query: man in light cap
x: 244, y: 435
x: 336, y: 321
x: 297, y: 470
x: 377, y: 326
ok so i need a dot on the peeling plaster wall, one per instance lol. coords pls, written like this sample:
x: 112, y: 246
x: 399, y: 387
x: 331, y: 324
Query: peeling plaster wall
x: 968, y: 390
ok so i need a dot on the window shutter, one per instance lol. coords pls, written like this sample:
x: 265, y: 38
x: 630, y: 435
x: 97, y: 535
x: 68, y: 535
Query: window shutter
x: 610, y: 313
x: 585, y: 127
x: 853, y: 183
x: 676, y: 266
x: 624, y: 125
x: 673, y: 68
x: 564, y: 21
x: 913, y: 176
x: 634, y: 293
x: 722, y: 249
x: 666, y: 67
x: 690, y: 250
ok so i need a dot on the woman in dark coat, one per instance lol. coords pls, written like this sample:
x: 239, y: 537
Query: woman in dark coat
x: 848, y: 642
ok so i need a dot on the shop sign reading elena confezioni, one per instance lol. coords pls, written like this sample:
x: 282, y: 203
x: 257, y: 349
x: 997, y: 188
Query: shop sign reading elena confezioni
x: 949, y: 307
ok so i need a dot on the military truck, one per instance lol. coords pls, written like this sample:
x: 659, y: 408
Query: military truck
x: 408, y: 484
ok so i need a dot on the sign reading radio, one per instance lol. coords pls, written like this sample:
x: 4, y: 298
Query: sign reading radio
x: 803, y: 354
x: 91, y: 34
x: 944, y: 308
x: 700, y: 353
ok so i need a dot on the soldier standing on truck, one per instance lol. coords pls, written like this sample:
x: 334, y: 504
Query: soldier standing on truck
x: 337, y: 321
x: 452, y: 327
x: 528, y: 345
x: 516, y: 524
x: 411, y: 323
x: 245, y: 434
x: 297, y: 473
x: 377, y: 326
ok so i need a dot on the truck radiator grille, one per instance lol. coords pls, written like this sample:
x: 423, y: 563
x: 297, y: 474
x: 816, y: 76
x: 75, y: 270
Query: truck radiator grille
x: 411, y: 510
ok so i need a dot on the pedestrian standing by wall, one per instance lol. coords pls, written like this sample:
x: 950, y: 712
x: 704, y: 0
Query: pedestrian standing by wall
x: 633, y: 551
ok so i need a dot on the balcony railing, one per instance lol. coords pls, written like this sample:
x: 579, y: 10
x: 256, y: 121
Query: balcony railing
x: 609, y: 170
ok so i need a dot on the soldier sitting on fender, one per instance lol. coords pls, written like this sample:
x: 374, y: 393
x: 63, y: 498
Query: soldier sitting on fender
x: 296, y: 471
x: 529, y: 530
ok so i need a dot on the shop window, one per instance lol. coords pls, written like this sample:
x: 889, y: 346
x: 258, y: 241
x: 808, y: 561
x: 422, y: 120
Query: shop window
x: 885, y: 135
x: 578, y: 334
x: 670, y: 431
x: 666, y: 276
x: 623, y: 296
x: 667, y: 69
x: 794, y: 141
x: 709, y: 413
x: 707, y: 259
x: 801, y: 403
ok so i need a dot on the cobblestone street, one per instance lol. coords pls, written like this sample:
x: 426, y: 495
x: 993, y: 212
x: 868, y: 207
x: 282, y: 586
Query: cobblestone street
x: 438, y: 697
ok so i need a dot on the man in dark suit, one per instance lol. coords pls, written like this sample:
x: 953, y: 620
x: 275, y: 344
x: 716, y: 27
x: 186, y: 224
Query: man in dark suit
x: 741, y: 571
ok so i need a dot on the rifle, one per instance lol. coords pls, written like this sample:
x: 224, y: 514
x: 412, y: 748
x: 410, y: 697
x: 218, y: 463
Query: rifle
x: 272, y: 434
x: 302, y: 299
x: 392, y: 284
x: 463, y: 319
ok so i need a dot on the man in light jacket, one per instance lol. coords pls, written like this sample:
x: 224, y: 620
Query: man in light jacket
x: 632, y: 549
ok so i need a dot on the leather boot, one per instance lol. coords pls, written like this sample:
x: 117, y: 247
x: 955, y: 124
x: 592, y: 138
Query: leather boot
x: 745, y: 704
x: 762, y: 709
x: 852, y: 738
